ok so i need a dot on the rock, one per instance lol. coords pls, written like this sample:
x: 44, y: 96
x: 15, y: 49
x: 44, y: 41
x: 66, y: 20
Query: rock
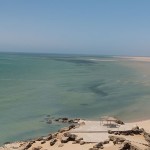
x: 137, y: 130
x: 74, y: 142
x: 61, y: 145
x: 116, y: 139
x: 72, y: 126
x: 64, y: 139
x: 147, y: 136
x: 36, y: 148
x: 111, y: 138
x: 115, y: 142
x: 6, y: 143
x: 71, y: 121
x: 32, y: 141
x: 49, y: 137
x: 82, y: 142
x: 128, y: 146
x: 72, y: 137
x: 64, y: 129
x: 93, y: 148
x: 98, y: 145
x: 39, y: 139
x: 106, y: 142
x: 55, y: 135
x: 53, y: 141
x: 119, y: 122
x: 65, y: 118
x: 57, y: 120
x: 43, y: 142
x: 78, y: 140
x: 49, y: 121
x: 67, y: 134
x: 28, y: 146
x: 110, y: 132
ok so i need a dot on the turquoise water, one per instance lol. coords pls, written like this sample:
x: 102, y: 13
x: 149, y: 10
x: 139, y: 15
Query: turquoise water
x: 35, y: 85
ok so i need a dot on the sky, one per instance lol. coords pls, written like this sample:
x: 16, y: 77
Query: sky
x: 103, y: 27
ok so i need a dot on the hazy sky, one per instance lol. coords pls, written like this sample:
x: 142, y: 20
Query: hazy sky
x: 114, y: 27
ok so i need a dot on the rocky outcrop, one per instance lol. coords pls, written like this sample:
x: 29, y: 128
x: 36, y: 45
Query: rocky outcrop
x: 64, y: 129
x: 147, y: 137
x: 128, y: 146
x: 98, y: 145
x: 135, y: 130
x: 68, y: 137
x: 116, y: 139
x: 67, y: 120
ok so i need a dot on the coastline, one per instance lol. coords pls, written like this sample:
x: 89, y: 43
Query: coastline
x: 135, y: 58
x: 86, y: 130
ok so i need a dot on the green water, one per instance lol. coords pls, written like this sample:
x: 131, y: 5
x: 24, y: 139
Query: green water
x: 35, y: 85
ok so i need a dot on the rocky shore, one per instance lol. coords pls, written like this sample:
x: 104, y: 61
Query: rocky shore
x: 90, y: 135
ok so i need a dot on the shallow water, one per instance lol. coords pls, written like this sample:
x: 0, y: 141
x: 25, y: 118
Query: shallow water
x: 35, y: 85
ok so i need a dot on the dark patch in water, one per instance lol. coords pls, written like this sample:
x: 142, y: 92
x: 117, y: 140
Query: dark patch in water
x: 76, y: 61
x: 83, y: 104
x: 97, y: 89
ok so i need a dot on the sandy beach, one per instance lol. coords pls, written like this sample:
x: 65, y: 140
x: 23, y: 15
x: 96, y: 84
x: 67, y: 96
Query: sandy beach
x: 89, y: 134
x: 138, y: 58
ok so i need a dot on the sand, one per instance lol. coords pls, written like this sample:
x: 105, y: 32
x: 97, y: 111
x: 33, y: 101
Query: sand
x: 141, y: 59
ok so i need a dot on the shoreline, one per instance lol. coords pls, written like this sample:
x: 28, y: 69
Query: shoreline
x: 87, y: 131
x: 135, y: 58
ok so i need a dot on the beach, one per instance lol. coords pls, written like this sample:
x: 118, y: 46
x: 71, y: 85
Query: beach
x: 89, y: 134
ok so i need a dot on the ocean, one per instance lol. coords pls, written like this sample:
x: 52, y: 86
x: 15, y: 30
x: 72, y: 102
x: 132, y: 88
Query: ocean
x: 33, y: 86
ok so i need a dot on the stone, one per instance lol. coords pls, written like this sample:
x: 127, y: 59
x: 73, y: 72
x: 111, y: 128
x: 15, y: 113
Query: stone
x: 43, y: 142
x: 111, y: 138
x: 67, y: 134
x: 119, y: 122
x: 55, y: 135
x: 6, y: 143
x: 110, y: 132
x: 64, y: 139
x: 72, y: 126
x: 53, y: 141
x: 63, y: 129
x: 128, y: 146
x: 78, y: 140
x: 49, y: 121
x: 35, y: 148
x: 82, y: 142
x: 72, y: 137
x: 28, y: 146
x: 39, y: 139
x: 147, y: 136
x: 49, y: 137
x: 71, y: 121
x: 93, y: 148
x: 98, y: 145
x: 106, y: 142
x: 116, y: 139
